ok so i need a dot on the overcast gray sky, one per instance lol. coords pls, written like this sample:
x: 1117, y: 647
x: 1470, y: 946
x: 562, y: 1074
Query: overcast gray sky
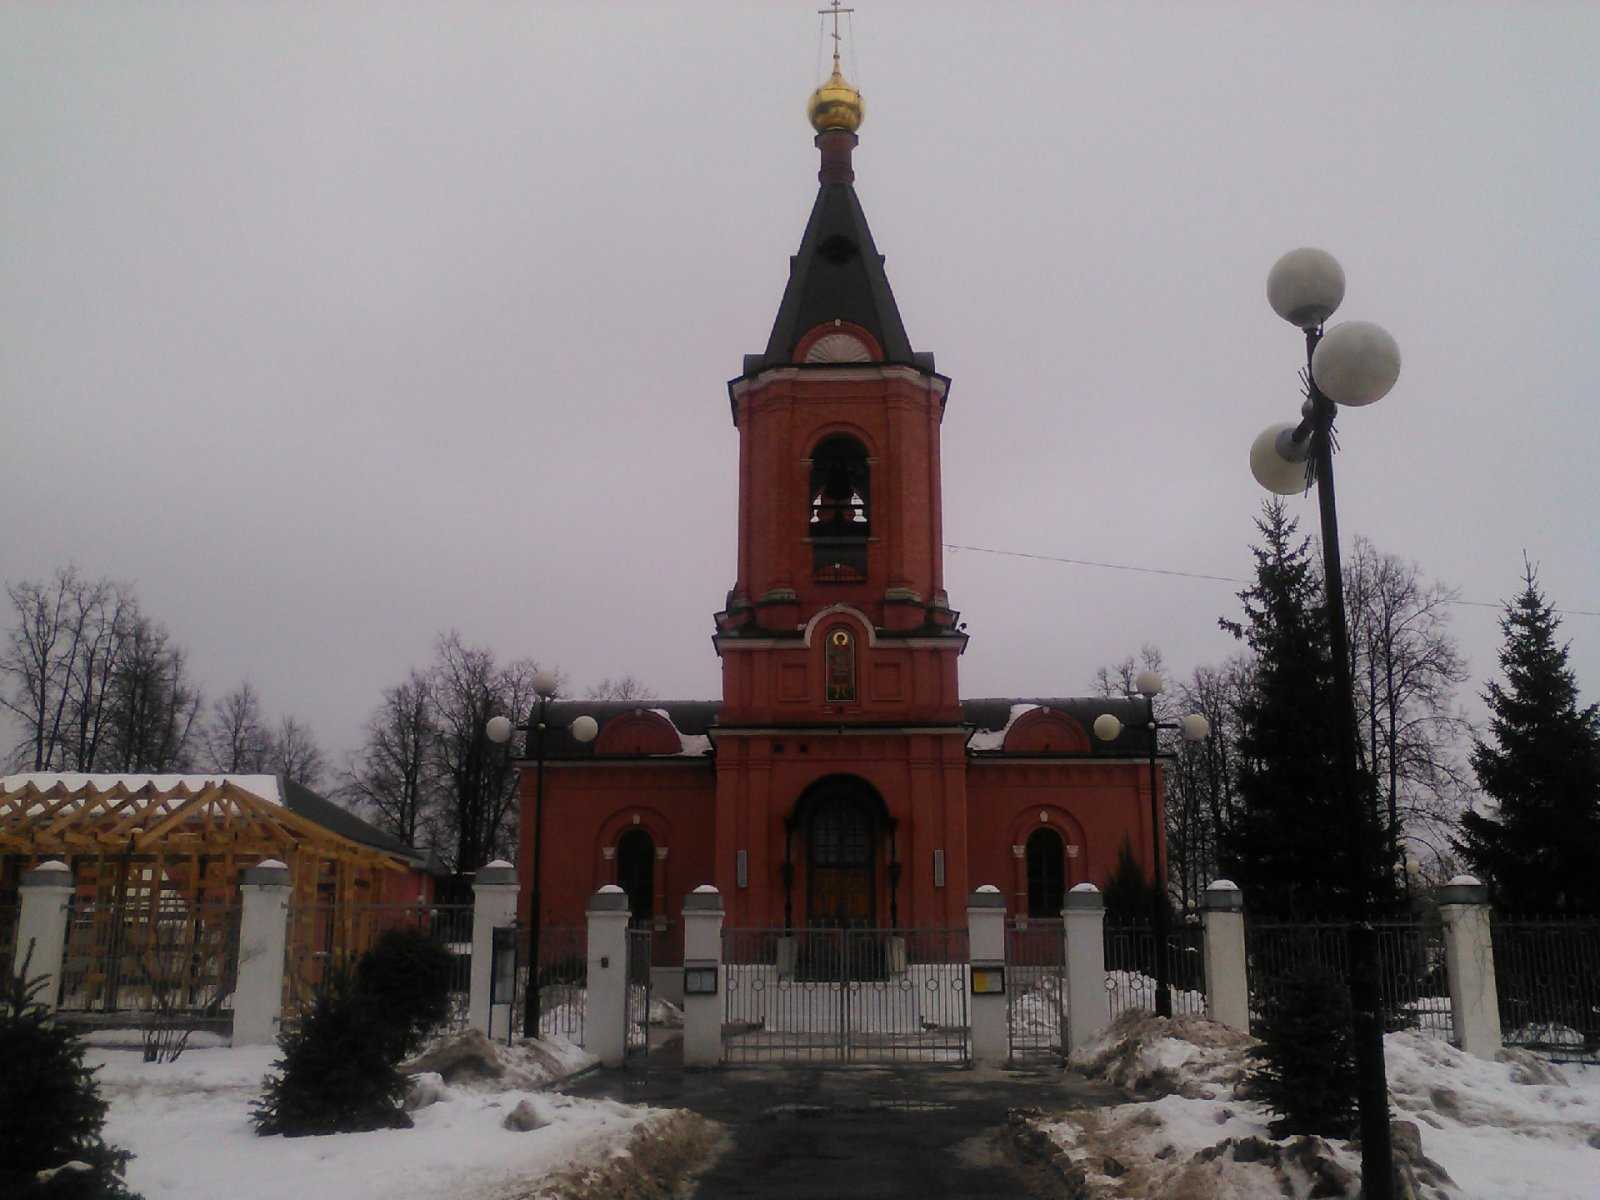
x: 336, y: 325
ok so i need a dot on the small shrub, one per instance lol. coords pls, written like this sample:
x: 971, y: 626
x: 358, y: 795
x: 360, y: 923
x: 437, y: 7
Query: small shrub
x: 50, y: 1110
x: 406, y: 976
x: 1307, y: 1071
x: 338, y: 1072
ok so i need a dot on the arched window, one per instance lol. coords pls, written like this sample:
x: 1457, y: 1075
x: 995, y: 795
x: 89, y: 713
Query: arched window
x: 1047, y: 873
x: 839, y: 656
x: 636, y: 873
x: 840, y: 518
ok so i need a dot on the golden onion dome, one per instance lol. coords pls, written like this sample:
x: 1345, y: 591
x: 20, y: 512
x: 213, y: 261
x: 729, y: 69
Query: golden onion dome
x: 836, y: 105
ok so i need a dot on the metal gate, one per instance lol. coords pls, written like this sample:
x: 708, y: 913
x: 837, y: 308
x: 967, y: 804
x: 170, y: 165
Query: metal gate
x: 636, y: 1011
x: 845, y: 995
x: 1036, y: 991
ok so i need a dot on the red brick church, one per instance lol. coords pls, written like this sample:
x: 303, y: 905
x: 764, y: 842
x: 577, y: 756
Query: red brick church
x: 841, y: 779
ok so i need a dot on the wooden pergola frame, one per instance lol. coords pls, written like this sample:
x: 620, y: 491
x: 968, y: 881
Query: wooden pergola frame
x: 188, y: 844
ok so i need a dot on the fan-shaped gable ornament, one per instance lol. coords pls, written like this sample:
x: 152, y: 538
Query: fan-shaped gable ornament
x: 838, y: 348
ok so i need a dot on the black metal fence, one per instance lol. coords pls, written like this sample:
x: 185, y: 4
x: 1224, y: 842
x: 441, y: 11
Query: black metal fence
x: 322, y: 939
x: 845, y: 995
x: 563, y: 981
x: 636, y: 1018
x: 1036, y: 994
x: 151, y: 955
x: 1130, y: 947
x: 1547, y: 979
x: 1413, y: 984
x: 9, y: 915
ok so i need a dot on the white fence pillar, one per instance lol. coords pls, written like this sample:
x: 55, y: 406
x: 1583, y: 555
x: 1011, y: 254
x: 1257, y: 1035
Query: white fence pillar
x: 1227, y: 984
x: 1088, y: 1002
x: 263, y: 933
x: 702, y: 963
x: 46, y: 892
x: 986, y: 940
x: 494, y: 906
x: 1469, y: 960
x: 606, y: 1014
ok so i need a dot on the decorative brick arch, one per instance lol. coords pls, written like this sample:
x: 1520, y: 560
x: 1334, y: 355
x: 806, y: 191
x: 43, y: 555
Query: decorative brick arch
x: 1046, y: 731
x: 834, y: 614
x: 1022, y: 827
x: 620, y: 822
x: 638, y: 732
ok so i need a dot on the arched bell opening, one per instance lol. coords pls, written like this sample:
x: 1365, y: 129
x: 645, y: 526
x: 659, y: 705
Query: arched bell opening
x: 839, y: 523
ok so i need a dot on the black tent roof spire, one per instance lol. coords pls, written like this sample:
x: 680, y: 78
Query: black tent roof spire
x: 837, y: 274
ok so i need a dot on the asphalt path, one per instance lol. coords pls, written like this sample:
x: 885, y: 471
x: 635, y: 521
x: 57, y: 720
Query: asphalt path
x: 799, y: 1131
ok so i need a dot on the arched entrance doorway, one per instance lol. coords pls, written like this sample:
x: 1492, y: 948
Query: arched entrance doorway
x: 1047, y: 873
x: 636, y: 874
x: 842, y: 823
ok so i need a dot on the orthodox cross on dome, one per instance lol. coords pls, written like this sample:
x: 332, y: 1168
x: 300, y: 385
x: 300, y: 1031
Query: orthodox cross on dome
x: 835, y: 12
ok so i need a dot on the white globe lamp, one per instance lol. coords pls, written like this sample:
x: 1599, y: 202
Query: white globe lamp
x: 1305, y: 286
x: 584, y: 728
x: 1107, y: 728
x: 1356, y: 363
x: 498, y: 730
x: 1279, y: 462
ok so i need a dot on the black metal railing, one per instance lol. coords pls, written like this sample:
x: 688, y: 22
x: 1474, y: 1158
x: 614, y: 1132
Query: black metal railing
x: 845, y: 995
x: 563, y: 981
x: 1414, y: 987
x: 1036, y: 994
x: 636, y: 1017
x: 156, y: 954
x: 1547, y: 980
x: 1130, y: 947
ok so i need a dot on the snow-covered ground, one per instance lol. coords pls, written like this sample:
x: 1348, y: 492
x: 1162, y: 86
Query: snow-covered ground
x: 188, y: 1123
x: 1511, y: 1128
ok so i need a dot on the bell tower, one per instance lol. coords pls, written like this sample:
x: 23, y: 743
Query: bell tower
x: 838, y: 613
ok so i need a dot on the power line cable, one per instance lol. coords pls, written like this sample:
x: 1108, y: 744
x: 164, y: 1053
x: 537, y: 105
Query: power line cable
x: 1174, y: 572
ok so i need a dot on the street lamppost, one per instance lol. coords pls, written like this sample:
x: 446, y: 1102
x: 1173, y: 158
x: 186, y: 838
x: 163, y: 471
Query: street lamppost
x: 1353, y: 364
x: 1195, y: 728
x: 499, y: 730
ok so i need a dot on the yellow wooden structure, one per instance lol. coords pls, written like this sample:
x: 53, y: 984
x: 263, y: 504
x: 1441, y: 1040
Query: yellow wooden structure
x: 148, y: 851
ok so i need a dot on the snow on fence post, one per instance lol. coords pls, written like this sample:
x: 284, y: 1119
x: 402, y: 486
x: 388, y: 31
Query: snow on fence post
x: 1088, y: 1002
x: 1227, y: 984
x: 494, y: 906
x: 46, y: 892
x: 986, y: 939
x: 1469, y: 961
x: 605, y: 1019
x: 263, y: 932
x: 703, y: 977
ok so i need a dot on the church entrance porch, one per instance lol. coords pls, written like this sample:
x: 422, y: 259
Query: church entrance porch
x: 842, y: 994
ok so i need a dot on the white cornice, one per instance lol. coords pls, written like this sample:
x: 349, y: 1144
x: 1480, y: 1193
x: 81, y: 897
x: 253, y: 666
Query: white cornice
x: 844, y: 374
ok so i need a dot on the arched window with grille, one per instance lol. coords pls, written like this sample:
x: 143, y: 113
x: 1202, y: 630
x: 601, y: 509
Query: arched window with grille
x: 840, y: 516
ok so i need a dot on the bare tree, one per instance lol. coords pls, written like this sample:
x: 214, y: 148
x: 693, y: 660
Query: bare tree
x: 623, y: 687
x: 479, y: 812
x: 60, y: 656
x: 237, y: 740
x: 292, y: 752
x: 153, y: 704
x: 392, y: 777
x: 1406, y: 667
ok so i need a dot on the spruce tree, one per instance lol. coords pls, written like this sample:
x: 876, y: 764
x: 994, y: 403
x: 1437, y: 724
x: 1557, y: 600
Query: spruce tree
x: 51, y: 1112
x: 1306, y: 1066
x: 1541, y: 770
x: 1288, y: 843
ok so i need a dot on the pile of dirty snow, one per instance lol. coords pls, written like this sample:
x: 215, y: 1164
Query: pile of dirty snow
x: 1463, y: 1128
x: 482, y: 1123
